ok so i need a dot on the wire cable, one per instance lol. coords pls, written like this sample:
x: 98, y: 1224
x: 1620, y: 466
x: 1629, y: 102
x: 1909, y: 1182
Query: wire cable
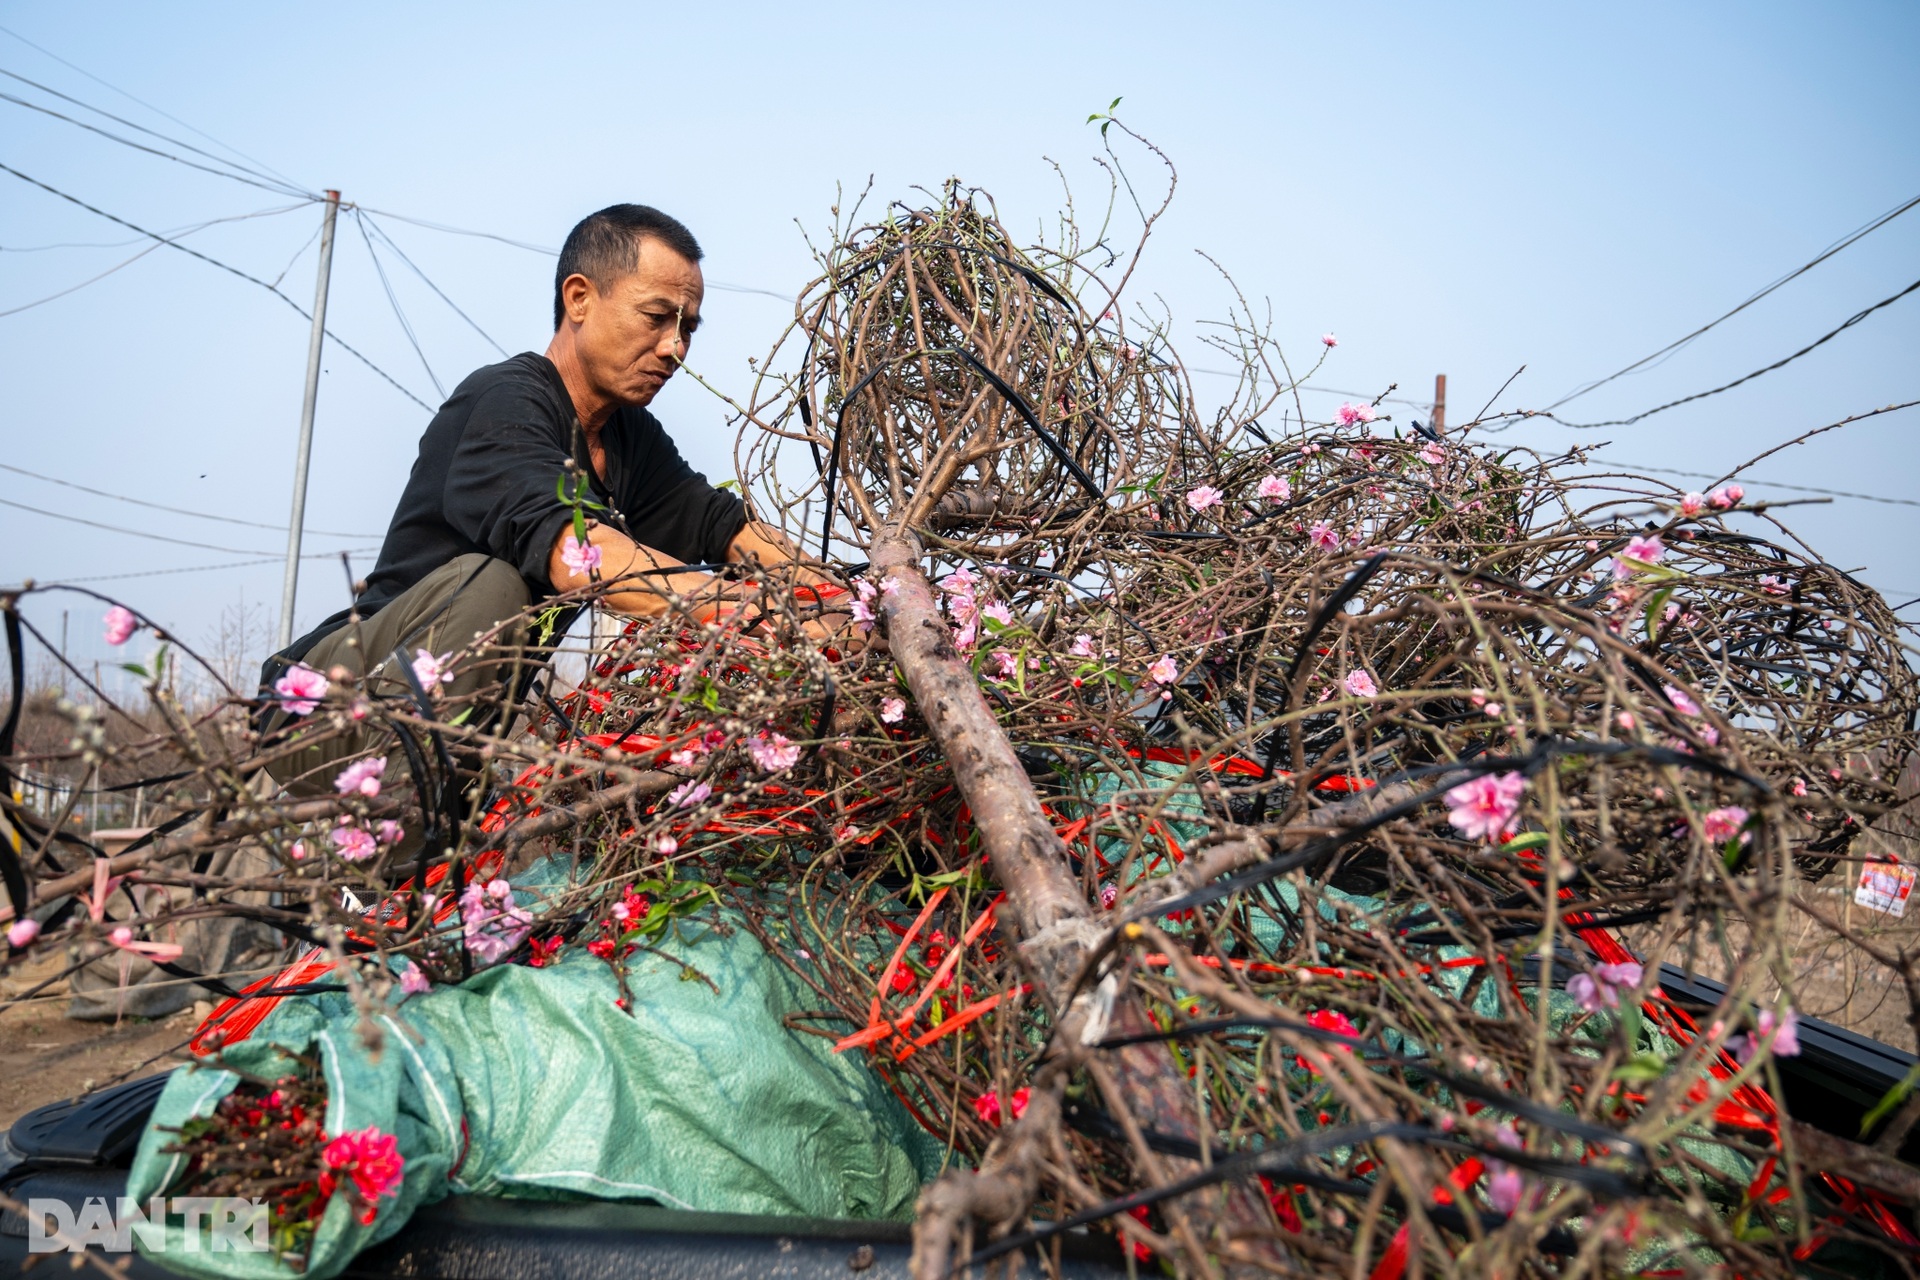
x: 279, y: 188
x: 178, y: 511
x: 170, y: 239
x: 197, y: 568
x: 141, y: 533
x: 1825, y: 338
x: 1828, y: 252
x: 1771, y: 484
x: 380, y: 231
x: 263, y: 166
x: 230, y: 270
x: 394, y: 302
x: 722, y: 285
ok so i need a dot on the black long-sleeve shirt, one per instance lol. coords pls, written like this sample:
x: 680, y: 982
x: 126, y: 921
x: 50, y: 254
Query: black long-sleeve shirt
x: 486, y: 481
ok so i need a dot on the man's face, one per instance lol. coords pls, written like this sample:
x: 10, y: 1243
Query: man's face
x: 635, y: 333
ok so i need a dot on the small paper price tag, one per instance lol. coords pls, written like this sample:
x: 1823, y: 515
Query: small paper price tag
x: 1885, y: 886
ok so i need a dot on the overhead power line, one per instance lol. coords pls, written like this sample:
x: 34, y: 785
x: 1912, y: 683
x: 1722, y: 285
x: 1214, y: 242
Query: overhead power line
x: 1848, y: 239
x: 367, y: 222
x: 178, y: 511
x: 137, y: 533
x: 197, y: 568
x: 267, y: 185
x: 1771, y: 484
x: 405, y: 326
x: 170, y: 238
x: 262, y: 165
x: 1825, y: 338
x: 230, y: 270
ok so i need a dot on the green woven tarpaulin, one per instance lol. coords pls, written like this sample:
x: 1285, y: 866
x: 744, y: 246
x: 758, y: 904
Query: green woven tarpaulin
x: 531, y: 1083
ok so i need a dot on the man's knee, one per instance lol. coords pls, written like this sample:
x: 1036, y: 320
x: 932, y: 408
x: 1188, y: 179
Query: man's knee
x: 490, y: 593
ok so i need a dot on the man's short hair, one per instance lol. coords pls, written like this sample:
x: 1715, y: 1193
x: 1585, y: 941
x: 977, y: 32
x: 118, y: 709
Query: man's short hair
x: 606, y: 246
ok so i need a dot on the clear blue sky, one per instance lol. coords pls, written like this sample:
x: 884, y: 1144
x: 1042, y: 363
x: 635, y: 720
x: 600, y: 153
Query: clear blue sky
x: 1465, y: 189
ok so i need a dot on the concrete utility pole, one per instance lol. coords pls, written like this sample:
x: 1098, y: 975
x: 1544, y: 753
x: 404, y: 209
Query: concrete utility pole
x: 299, y: 517
x: 1439, y: 422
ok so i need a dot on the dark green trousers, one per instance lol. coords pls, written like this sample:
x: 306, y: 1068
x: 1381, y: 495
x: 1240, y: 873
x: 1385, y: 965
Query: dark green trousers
x: 446, y: 612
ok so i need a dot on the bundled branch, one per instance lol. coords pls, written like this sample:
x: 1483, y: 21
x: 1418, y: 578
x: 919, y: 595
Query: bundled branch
x: 1259, y: 837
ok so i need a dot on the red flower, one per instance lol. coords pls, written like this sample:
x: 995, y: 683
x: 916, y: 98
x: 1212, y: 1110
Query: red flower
x: 1330, y: 1020
x: 1140, y: 1252
x: 903, y: 979
x: 987, y: 1105
x: 542, y: 953
x: 601, y: 948
x: 372, y: 1159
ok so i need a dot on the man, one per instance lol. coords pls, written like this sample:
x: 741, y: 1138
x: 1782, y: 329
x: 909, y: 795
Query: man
x: 482, y: 531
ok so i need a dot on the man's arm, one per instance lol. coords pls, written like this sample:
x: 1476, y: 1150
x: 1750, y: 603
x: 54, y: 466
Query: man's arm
x: 641, y: 597
x: 646, y: 596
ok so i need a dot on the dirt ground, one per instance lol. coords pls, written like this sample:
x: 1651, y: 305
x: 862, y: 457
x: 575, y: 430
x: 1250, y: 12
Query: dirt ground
x: 46, y: 1056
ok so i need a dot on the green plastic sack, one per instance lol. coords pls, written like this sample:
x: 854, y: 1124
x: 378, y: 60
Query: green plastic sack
x: 531, y: 1083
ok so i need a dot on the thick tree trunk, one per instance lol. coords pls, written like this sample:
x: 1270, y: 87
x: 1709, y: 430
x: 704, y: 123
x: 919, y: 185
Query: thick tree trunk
x: 1047, y: 912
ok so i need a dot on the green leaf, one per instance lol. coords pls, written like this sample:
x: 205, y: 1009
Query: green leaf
x: 1656, y: 605
x: 579, y: 526
x: 1528, y: 840
x: 1893, y: 1098
x: 1630, y: 1017
x: 728, y: 484
x: 1641, y: 1068
x: 1113, y: 104
x: 135, y: 668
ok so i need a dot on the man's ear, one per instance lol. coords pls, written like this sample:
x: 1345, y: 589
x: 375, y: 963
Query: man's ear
x: 577, y: 295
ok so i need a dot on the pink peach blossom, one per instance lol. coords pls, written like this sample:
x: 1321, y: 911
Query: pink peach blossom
x: 1082, y: 646
x: 1203, y: 496
x: 689, y: 793
x: 1727, y: 495
x: 1275, y: 488
x: 431, y: 671
x: 121, y: 624
x: 1484, y: 807
x: 1321, y: 537
x: 1350, y: 415
x: 773, y: 752
x: 1784, y: 1028
x: 893, y: 709
x: 1165, y: 670
x: 22, y: 933
x: 1682, y: 703
x: 1360, y: 684
x: 362, y: 777
x: 1722, y: 825
x: 413, y: 979
x: 301, y: 688
x: 353, y: 844
x: 1694, y: 504
x: 1328, y: 340
x: 1602, y: 988
x: 581, y: 557
x: 1506, y: 1189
